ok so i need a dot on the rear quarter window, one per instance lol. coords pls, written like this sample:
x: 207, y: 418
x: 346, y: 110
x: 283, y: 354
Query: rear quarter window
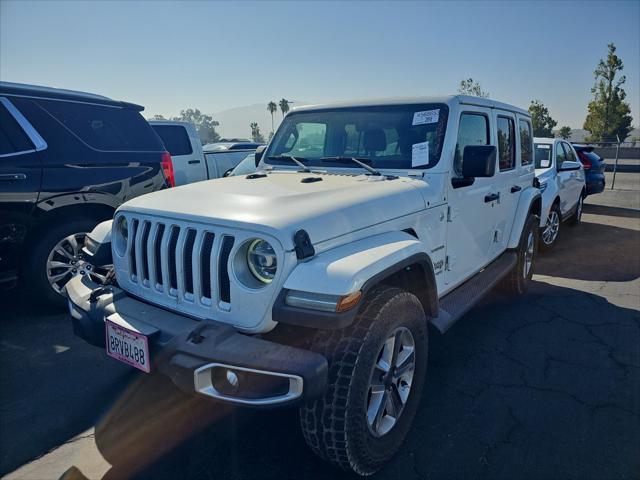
x: 175, y: 138
x: 103, y: 127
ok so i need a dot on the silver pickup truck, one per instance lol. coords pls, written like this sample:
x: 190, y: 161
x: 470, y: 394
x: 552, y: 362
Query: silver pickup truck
x: 193, y: 162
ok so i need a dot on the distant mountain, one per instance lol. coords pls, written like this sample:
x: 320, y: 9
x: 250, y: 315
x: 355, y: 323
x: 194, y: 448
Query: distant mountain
x: 234, y: 122
x: 578, y: 134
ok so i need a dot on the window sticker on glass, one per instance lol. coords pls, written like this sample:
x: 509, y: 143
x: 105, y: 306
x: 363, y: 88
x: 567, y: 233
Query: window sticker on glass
x: 420, y: 154
x: 427, y: 116
x: 543, y: 147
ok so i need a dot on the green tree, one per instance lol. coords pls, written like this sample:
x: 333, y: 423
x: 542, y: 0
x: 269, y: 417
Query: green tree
x: 542, y: 122
x: 284, y: 106
x: 256, y: 135
x: 273, y: 108
x: 471, y: 87
x: 608, y: 114
x: 565, y: 132
x: 205, y: 124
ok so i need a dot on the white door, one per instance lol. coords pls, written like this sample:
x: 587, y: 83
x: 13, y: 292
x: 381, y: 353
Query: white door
x: 565, y: 179
x: 507, y: 180
x: 576, y: 177
x: 472, y: 213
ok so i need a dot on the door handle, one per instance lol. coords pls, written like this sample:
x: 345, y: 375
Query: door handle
x: 516, y: 188
x: 12, y: 177
x: 193, y: 162
x: 491, y: 197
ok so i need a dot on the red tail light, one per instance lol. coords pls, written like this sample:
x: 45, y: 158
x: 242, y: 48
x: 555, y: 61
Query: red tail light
x: 167, y: 169
x: 586, y: 163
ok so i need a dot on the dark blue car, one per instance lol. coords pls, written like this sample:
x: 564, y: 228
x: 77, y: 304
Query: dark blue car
x: 594, y: 167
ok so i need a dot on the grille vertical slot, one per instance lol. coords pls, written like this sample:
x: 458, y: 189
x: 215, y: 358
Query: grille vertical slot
x: 223, y: 270
x: 146, y: 228
x: 173, y: 242
x: 187, y: 257
x: 158, y: 253
x: 205, y: 265
x: 133, y: 268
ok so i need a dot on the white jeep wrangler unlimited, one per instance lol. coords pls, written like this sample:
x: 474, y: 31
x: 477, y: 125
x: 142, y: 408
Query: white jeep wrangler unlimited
x: 313, y: 281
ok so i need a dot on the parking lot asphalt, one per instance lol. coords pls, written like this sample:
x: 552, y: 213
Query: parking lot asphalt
x: 544, y: 386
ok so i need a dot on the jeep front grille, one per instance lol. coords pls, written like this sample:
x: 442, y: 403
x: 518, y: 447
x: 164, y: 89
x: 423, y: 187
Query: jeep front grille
x: 184, y: 262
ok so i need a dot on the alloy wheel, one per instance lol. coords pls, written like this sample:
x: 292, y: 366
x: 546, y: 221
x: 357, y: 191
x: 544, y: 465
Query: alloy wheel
x: 390, y: 382
x: 528, y: 255
x: 550, y: 232
x: 66, y: 260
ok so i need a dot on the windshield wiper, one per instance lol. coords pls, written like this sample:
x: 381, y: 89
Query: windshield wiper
x: 368, y: 168
x: 303, y: 167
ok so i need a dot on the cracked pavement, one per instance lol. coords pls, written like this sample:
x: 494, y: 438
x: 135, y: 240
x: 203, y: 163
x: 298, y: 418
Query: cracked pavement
x: 545, y: 386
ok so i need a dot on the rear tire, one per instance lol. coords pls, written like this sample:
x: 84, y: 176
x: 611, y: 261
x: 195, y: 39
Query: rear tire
x: 353, y: 425
x: 518, y: 280
x: 576, y: 219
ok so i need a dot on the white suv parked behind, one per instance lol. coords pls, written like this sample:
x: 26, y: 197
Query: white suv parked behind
x: 312, y: 282
x: 562, y: 183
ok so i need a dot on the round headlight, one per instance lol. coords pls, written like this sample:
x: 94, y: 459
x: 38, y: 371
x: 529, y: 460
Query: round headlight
x: 262, y: 261
x: 121, y: 235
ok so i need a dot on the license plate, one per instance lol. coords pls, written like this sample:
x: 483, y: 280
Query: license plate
x: 127, y: 346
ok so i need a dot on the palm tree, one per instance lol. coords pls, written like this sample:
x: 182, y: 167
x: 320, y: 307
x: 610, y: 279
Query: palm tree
x: 273, y: 108
x: 284, y: 106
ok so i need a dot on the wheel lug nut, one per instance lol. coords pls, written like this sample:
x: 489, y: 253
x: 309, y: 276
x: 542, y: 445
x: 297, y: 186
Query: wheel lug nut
x: 74, y: 271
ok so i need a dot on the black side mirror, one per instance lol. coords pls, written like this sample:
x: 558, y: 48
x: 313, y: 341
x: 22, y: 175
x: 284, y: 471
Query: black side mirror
x: 259, y: 151
x: 479, y: 161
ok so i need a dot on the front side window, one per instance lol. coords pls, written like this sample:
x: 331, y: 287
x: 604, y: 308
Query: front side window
x: 12, y: 137
x: 543, y: 155
x: 473, y: 130
x: 388, y: 136
x: 568, y: 152
x: 560, y: 156
x: 506, y: 143
x: 526, y: 142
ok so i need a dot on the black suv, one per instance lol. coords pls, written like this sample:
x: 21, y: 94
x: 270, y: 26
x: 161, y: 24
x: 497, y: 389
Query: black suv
x: 67, y: 161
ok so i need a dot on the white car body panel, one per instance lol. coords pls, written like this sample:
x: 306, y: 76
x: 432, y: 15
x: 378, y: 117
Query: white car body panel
x: 565, y: 186
x: 358, y: 224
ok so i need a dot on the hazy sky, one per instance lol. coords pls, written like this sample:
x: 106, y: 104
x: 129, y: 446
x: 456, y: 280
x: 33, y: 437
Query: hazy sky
x: 214, y: 55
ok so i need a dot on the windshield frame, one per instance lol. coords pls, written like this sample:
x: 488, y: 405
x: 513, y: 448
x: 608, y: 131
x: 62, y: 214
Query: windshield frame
x: 317, y: 163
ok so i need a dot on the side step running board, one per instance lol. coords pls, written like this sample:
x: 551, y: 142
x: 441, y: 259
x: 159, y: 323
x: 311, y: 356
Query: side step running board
x: 455, y: 304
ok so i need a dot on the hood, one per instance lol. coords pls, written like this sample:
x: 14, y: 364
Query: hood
x: 283, y: 202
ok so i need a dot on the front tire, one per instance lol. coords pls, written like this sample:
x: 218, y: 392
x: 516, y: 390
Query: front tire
x: 518, y: 280
x: 377, y: 371
x: 549, y: 233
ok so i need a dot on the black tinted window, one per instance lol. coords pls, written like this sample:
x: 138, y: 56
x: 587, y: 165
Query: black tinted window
x: 543, y: 155
x: 506, y: 143
x: 104, y: 128
x: 526, y: 155
x: 473, y: 130
x: 12, y: 137
x: 175, y: 138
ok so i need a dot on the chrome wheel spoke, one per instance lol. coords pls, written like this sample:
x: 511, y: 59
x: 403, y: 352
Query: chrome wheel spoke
x: 55, y: 264
x: 58, y: 277
x: 60, y: 250
x: 390, y: 383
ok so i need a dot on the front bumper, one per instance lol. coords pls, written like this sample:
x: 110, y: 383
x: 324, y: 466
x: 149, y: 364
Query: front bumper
x: 198, y: 354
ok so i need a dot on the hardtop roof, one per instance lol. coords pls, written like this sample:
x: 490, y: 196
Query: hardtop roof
x: 37, y: 91
x: 446, y: 99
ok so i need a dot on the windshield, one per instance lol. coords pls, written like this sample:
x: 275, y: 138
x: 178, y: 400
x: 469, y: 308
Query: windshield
x: 393, y: 136
x: 245, y: 167
x: 543, y: 155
